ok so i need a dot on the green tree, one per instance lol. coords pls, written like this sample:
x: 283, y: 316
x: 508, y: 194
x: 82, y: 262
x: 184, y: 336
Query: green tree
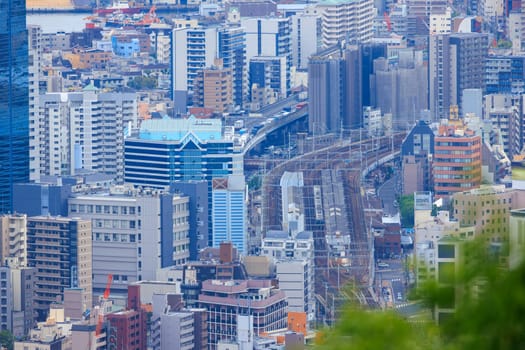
x: 255, y: 183
x: 504, y: 44
x: 7, y: 340
x: 143, y: 83
x: 406, y: 208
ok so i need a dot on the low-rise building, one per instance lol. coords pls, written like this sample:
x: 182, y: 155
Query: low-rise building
x: 226, y: 300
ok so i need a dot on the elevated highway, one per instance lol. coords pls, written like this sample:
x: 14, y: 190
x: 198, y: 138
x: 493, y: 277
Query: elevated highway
x: 273, y: 127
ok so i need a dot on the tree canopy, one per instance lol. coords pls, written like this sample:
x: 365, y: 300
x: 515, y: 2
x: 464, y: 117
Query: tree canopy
x: 489, y: 302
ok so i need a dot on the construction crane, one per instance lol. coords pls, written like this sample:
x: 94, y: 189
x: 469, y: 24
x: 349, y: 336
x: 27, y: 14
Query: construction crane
x: 149, y: 18
x: 103, y: 304
x: 388, y: 21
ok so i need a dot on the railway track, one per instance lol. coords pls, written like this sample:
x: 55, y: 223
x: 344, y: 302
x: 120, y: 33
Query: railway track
x: 346, y: 164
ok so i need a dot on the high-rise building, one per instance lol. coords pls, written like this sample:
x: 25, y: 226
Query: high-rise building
x: 369, y: 52
x: 82, y: 131
x: 193, y: 49
x: 197, y: 146
x: 416, y: 151
x: 140, y: 231
x: 350, y: 21
x: 229, y: 212
x: 456, y: 63
x: 14, y: 100
x: 292, y: 199
x: 326, y: 91
x: 35, y: 71
x: 335, y: 83
x: 231, y: 41
x: 60, y: 251
x: 212, y: 88
x: 354, y: 78
x: 197, y: 191
x: 400, y: 88
x: 269, y: 37
x: 306, y: 38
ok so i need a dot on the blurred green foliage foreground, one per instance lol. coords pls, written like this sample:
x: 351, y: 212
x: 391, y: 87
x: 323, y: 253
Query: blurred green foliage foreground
x: 489, y: 300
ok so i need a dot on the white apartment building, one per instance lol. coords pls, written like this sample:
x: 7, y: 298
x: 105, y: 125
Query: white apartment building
x: 306, y: 38
x: 34, y: 70
x: 267, y: 37
x: 81, y: 130
x: 295, y: 280
x: 193, y: 49
x: 294, y: 261
x: 135, y: 233
x: 342, y: 20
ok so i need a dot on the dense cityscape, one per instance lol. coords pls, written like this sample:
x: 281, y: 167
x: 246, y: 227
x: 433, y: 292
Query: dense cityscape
x: 232, y: 175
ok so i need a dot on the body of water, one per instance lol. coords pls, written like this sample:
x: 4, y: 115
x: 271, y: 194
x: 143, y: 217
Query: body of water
x: 58, y: 22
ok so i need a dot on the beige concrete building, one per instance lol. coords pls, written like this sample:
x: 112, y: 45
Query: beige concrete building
x: 60, y: 250
x: 412, y: 175
x: 135, y: 232
x: 13, y: 236
x: 213, y: 88
x: 488, y: 209
x: 48, y: 335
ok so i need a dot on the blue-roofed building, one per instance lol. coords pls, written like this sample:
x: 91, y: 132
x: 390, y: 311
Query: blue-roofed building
x: 169, y: 150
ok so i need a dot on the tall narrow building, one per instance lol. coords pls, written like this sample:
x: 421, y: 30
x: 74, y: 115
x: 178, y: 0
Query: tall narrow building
x: 456, y: 63
x: 60, y: 251
x: 231, y: 42
x: 335, y: 89
x: 14, y: 100
x: 326, y: 90
x: 229, y: 211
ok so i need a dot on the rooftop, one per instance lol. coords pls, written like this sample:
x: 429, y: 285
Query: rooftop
x: 176, y: 129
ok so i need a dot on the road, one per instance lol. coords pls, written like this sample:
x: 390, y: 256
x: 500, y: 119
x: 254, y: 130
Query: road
x: 388, y: 194
x: 391, y: 279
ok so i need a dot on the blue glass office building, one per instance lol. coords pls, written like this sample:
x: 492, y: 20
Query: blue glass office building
x: 14, y: 100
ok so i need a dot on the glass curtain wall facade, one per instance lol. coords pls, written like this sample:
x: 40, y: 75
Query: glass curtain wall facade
x: 14, y: 100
